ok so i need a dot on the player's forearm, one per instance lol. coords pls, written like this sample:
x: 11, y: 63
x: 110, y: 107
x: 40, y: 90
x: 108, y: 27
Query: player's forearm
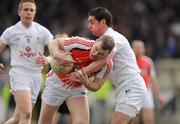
x: 97, y: 65
x: 1, y: 68
x: 2, y: 46
x: 94, y: 67
x: 155, y: 88
x: 94, y: 85
x: 55, y: 46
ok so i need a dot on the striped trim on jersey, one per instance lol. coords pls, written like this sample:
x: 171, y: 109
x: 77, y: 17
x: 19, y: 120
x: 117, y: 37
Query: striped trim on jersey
x: 78, y: 43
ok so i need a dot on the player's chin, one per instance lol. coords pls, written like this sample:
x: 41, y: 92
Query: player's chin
x: 92, y: 58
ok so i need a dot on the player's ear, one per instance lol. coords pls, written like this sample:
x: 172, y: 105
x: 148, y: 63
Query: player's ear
x: 103, y: 21
x: 19, y: 12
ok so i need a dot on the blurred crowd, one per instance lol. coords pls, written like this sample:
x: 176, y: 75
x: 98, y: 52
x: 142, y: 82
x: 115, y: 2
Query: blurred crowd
x: 156, y: 22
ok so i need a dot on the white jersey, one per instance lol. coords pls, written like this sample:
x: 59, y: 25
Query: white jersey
x: 124, y: 61
x: 26, y: 44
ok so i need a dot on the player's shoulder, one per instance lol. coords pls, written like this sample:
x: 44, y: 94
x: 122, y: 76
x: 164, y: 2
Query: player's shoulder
x: 147, y: 59
x: 118, y: 37
x: 39, y: 26
x: 13, y: 27
x: 10, y: 30
x: 82, y: 39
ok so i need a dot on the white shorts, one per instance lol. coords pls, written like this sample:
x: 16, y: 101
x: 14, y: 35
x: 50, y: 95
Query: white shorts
x: 55, y: 93
x: 149, y: 100
x: 23, y: 79
x: 130, y: 96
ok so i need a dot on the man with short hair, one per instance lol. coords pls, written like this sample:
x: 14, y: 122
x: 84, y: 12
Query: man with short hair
x: 57, y: 88
x: 125, y: 75
x: 148, y: 73
x: 27, y: 40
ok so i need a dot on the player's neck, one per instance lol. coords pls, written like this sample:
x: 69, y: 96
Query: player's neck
x: 27, y: 25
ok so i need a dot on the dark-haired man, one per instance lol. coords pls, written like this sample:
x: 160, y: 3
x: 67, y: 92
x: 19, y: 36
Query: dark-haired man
x: 125, y: 75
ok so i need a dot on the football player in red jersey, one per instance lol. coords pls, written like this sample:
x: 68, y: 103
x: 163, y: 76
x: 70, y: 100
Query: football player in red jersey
x: 146, y: 66
x: 58, y: 90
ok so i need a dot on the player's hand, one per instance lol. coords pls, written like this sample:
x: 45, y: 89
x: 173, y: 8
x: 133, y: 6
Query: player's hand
x: 1, y: 68
x: 41, y: 60
x: 82, y: 77
x: 61, y: 57
x: 71, y: 79
x: 161, y: 101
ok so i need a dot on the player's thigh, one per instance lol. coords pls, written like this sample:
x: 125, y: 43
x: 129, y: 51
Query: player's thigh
x: 47, y: 113
x: 23, y: 101
x: 79, y: 108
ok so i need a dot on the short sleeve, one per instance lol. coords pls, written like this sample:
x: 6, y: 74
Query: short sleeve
x: 5, y: 37
x: 48, y: 36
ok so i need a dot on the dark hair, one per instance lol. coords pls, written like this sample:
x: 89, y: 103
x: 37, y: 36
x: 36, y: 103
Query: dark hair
x: 102, y: 13
x: 107, y: 42
x: 24, y: 1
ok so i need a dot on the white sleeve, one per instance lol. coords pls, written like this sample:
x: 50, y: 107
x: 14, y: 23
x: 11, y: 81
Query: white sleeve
x: 47, y: 36
x: 5, y: 37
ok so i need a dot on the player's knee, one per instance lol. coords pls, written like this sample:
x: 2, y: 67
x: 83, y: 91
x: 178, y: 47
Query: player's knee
x: 16, y: 119
x: 26, y: 115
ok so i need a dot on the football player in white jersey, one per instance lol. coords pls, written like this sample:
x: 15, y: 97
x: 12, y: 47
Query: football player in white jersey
x: 130, y: 86
x: 26, y: 40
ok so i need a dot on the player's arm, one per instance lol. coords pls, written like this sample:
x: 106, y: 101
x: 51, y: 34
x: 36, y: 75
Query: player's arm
x: 56, y: 46
x: 53, y: 49
x: 2, y: 47
x: 99, y: 79
x: 94, y: 85
x: 97, y: 65
x: 155, y: 87
x: 57, y: 50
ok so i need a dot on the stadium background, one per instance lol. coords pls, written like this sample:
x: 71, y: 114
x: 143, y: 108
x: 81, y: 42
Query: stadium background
x: 156, y: 22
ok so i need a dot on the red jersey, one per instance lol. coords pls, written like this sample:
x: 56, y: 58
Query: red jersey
x: 147, y: 69
x: 80, y: 49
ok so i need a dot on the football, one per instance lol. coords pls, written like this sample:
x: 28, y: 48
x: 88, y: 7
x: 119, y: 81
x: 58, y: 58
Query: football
x: 61, y: 68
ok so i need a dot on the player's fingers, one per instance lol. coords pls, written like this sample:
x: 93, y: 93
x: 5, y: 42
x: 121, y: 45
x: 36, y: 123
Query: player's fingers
x: 68, y: 53
x: 1, y: 66
x: 70, y: 85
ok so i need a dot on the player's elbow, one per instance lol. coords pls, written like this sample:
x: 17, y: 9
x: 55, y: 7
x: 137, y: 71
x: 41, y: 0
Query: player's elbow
x: 94, y: 89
